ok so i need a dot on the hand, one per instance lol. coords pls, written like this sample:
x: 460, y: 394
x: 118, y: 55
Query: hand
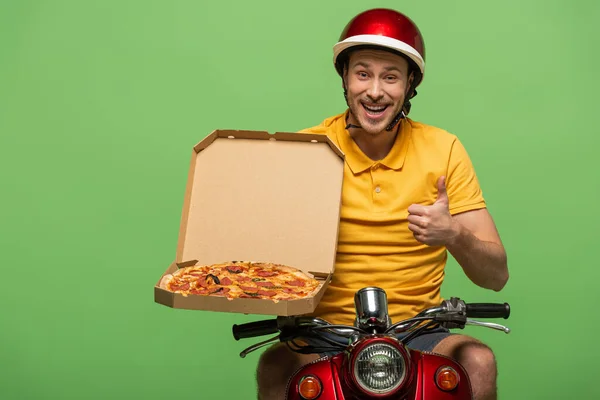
x: 433, y: 225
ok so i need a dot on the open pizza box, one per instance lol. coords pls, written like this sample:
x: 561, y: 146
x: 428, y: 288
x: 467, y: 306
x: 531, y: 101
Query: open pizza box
x: 255, y: 196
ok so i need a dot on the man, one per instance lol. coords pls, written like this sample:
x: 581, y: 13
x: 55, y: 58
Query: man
x: 410, y: 194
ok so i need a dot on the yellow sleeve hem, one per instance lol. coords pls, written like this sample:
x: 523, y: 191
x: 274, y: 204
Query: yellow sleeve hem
x: 467, y: 207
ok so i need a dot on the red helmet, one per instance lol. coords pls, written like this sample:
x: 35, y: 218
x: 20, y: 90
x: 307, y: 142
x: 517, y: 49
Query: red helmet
x: 383, y: 28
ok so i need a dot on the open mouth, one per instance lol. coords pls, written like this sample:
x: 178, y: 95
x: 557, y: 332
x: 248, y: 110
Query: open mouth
x: 374, y: 110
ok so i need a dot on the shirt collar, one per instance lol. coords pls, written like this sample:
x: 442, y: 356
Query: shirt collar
x: 360, y: 162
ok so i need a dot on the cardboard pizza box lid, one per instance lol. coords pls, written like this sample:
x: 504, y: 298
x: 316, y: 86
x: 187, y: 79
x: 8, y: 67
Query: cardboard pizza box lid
x: 255, y: 196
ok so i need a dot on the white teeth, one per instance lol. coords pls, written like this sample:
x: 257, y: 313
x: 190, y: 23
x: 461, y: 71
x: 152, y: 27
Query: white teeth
x: 375, y: 108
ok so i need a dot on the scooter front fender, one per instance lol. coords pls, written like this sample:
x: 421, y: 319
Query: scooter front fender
x: 326, y: 370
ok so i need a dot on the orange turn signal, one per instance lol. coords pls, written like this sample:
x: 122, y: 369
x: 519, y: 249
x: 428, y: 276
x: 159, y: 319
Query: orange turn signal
x: 446, y: 378
x: 310, y: 387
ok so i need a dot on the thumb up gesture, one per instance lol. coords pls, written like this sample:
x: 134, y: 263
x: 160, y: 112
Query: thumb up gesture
x: 433, y: 225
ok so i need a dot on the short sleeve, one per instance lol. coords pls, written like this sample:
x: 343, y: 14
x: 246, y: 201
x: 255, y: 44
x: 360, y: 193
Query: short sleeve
x: 462, y: 185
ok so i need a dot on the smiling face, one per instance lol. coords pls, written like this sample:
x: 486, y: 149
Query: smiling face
x: 376, y: 82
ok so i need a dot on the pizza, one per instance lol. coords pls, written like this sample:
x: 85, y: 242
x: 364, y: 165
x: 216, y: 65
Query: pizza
x: 242, y: 279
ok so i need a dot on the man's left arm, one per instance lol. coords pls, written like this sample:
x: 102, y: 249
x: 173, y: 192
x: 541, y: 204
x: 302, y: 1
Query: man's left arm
x: 471, y: 237
x: 460, y: 221
x: 476, y: 246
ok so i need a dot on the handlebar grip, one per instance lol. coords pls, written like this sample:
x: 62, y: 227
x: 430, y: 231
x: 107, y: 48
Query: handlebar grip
x: 488, y: 310
x: 253, y: 329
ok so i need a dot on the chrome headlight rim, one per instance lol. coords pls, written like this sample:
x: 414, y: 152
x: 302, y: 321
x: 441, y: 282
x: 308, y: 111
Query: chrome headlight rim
x: 392, y: 344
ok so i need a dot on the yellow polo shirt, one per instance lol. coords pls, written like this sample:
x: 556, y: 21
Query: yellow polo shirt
x: 375, y: 246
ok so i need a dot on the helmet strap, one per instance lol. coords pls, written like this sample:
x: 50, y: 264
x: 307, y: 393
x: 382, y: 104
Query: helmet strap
x: 397, y: 119
x: 406, y: 106
x: 349, y: 125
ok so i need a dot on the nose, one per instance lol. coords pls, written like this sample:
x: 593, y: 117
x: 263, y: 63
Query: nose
x: 375, y: 92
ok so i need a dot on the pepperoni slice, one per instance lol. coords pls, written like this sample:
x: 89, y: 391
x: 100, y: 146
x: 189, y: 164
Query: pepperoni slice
x: 226, y: 281
x: 198, y: 291
x: 264, y: 283
x: 185, y: 286
x: 234, y: 269
x: 296, y: 283
x: 266, y: 274
x: 267, y: 293
x: 242, y: 278
x: 202, y: 282
x: 290, y: 290
x: 248, y: 288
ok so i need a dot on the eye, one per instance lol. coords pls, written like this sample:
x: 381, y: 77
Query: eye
x: 362, y: 75
x: 391, y: 78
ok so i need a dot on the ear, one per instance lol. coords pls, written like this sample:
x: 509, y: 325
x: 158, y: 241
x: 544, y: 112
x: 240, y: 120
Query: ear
x: 344, y: 77
x: 411, y: 78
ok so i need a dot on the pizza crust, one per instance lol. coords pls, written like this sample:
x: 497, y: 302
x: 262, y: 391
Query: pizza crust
x: 164, y: 282
x: 314, y: 292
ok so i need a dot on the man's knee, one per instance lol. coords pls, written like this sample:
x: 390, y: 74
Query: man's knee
x: 476, y: 356
x: 470, y: 352
x: 275, y: 367
x: 477, y: 359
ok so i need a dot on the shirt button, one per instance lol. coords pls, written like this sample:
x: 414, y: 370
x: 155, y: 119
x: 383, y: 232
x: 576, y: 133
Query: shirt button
x: 377, y: 189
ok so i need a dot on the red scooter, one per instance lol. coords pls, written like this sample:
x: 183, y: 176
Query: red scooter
x: 372, y: 360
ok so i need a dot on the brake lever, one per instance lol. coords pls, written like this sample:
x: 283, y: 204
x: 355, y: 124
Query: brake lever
x: 488, y: 325
x: 257, y: 346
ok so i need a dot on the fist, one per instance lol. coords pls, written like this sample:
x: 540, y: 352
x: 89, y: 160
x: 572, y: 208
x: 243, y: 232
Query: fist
x: 433, y: 225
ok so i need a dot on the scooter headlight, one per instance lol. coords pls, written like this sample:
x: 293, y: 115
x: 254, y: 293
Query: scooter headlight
x: 380, y: 368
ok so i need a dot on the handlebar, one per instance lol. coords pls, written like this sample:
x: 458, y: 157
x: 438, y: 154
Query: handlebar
x: 253, y: 329
x: 488, y: 310
x: 454, y: 313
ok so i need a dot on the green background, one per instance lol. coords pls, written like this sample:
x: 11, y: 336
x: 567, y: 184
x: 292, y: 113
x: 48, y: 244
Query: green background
x: 102, y: 101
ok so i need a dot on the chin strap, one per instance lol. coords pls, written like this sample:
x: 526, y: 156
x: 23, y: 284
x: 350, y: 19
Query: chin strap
x: 402, y: 114
x: 350, y: 111
x: 353, y: 126
x: 396, y: 120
